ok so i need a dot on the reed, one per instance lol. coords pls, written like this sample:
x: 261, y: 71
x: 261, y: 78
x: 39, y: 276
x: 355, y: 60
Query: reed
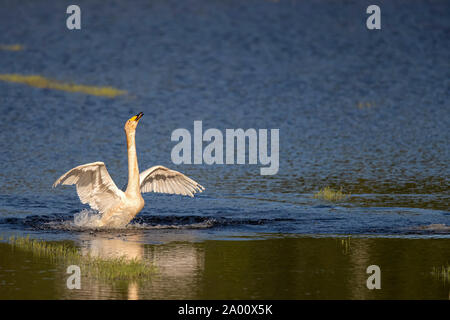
x: 120, y: 268
x: 345, y: 245
x: 442, y: 273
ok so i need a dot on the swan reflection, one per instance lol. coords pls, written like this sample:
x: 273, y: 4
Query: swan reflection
x: 179, y: 266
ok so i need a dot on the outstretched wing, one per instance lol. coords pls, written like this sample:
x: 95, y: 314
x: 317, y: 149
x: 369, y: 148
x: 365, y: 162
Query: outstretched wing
x: 163, y: 180
x: 94, y: 185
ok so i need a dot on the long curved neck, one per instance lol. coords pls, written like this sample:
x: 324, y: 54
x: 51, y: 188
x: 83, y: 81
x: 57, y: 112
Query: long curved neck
x: 133, y: 169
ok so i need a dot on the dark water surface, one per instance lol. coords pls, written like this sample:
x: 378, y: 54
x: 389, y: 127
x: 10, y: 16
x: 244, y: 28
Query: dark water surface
x: 274, y: 268
x: 365, y: 111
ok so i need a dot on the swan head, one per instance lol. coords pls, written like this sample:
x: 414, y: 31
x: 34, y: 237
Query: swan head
x: 131, y: 124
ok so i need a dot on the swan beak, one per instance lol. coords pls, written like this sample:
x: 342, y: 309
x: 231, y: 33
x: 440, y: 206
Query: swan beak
x: 137, y: 117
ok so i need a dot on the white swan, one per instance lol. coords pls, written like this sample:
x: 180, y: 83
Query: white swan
x: 96, y: 188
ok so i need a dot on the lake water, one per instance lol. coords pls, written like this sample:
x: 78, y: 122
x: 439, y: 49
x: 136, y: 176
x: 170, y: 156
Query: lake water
x: 365, y: 111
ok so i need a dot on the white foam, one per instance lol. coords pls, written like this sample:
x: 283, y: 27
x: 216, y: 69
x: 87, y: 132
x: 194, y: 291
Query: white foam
x: 87, y: 218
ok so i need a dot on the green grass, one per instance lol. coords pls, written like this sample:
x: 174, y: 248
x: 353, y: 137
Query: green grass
x: 442, y: 273
x: 345, y: 245
x: 329, y: 194
x: 104, y: 268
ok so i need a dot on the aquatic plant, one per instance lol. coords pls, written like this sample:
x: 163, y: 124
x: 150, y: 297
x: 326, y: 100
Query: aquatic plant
x: 41, y: 82
x: 442, y: 273
x: 345, y: 245
x: 11, y: 47
x: 330, y: 194
x: 365, y: 105
x: 99, y: 267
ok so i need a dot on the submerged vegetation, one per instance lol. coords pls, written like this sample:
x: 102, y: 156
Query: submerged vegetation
x: 105, y: 268
x: 330, y: 194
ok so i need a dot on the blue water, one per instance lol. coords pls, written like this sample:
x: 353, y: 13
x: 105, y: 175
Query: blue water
x: 364, y: 110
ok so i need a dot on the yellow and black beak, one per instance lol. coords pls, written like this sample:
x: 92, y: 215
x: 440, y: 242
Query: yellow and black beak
x: 137, y: 117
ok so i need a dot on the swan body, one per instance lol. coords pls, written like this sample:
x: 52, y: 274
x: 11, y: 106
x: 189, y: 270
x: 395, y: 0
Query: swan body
x: 117, y: 208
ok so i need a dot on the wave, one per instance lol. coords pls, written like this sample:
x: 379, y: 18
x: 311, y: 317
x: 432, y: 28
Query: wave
x: 436, y: 227
x: 88, y: 220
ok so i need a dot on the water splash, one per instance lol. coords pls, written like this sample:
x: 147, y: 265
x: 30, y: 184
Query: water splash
x: 87, y: 218
x: 91, y: 219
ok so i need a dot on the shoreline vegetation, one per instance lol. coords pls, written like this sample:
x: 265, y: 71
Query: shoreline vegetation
x: 442, y: 273
x: 120, y: 268
x: 329, y: 194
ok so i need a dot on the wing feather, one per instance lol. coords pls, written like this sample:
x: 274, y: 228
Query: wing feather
x: 163, y: 180
x: 94, y: 185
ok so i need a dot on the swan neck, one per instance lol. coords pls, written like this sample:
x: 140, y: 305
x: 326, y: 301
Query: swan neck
x: 133, y: 169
